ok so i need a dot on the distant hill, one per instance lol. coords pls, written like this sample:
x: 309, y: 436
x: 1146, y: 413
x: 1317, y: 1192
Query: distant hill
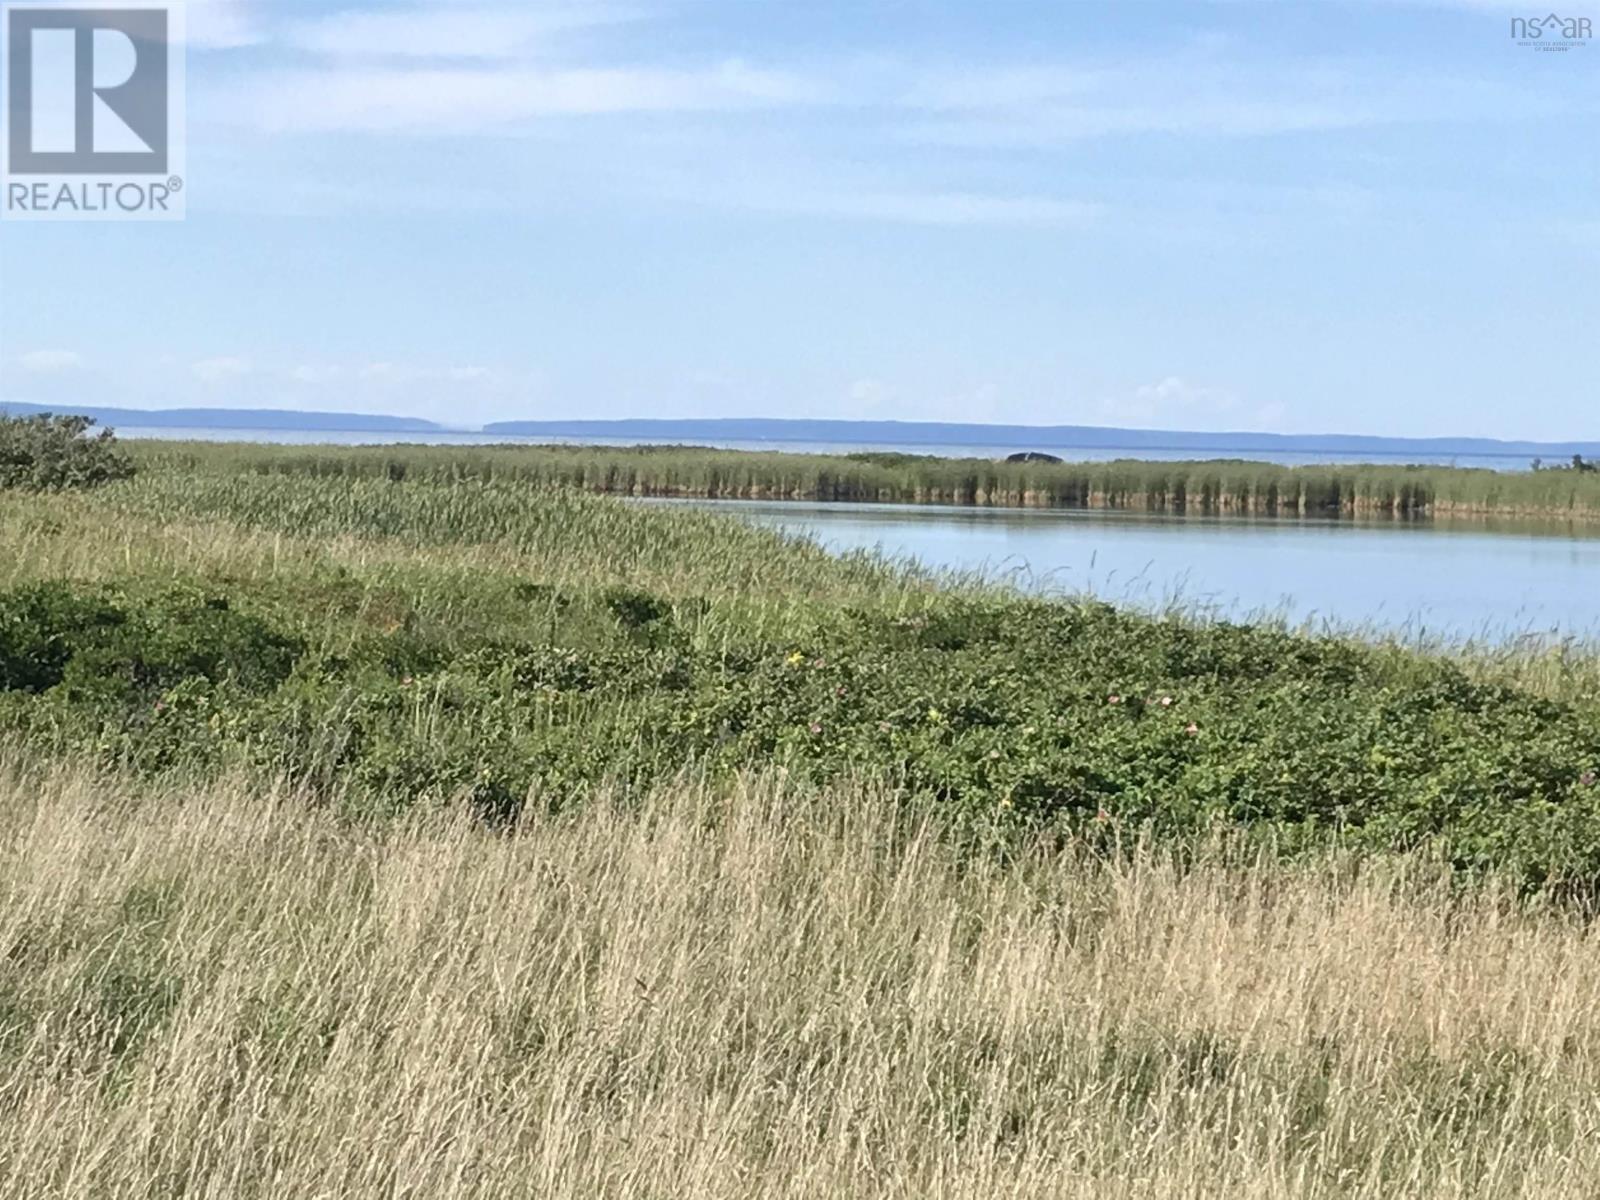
x: 1032, y: 437
x: 935, y: 436
x: 232, y: 418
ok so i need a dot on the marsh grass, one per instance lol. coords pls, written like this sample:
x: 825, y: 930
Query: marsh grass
x: 1195, y: 488
x: 757, y: 990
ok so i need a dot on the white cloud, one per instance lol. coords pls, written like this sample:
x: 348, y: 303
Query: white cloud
x: 398, y: 373
x: 868, y: 396
x: 1221, y: 116
x: 314, y: 375
x: 1175, y: 400
x: 1002, y: 87
x: 873, y: 398
x: 1176, y: 403
x: 456, y: 31
x: 1175, y: 391
x: 220, y: 370
x: 222, y: 25
x: 466, y: 99
x: 1270, y: 415
x: 49, y: 362
x: 1206, y: 88
x: 934, y: 208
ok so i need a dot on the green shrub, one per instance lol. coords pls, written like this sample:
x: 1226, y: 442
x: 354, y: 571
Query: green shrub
x: 1005, y: 710
x: 55, y: 453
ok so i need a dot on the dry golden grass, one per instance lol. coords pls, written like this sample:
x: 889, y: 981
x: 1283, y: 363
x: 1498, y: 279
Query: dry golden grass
x: 759, y: 992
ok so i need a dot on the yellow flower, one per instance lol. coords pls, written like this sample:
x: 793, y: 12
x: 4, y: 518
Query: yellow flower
x: 796, y: 659
x: 935, y: 715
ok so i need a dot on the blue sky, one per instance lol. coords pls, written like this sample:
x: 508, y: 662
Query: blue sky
x: 1368, y: 216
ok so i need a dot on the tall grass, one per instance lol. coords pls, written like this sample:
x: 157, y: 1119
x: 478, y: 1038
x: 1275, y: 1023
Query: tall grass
x: 761, y: 991
x: 267, y: 527
x: 1203, y: 488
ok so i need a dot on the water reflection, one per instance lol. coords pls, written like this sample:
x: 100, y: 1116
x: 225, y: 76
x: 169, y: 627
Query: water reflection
x: 1456, y: 579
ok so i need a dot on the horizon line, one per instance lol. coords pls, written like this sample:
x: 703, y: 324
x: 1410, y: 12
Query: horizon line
x: 369, y: 422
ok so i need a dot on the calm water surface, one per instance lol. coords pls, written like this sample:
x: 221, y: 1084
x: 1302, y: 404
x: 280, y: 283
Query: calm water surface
x: 1453, y: 581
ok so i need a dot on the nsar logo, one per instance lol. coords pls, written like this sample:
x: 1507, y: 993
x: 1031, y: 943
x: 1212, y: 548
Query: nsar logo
x: 1552, y: 32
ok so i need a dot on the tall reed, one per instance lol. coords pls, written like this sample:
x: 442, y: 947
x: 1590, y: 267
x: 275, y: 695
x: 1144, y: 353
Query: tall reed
x: 1201, y: 488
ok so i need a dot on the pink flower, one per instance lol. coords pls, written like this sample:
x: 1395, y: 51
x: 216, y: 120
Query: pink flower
x: 1102, y: 815
x: 1587, y: 779
x: 161, y: 706
x: 816, y: 727
x: 1114, y: 700
x: 406, y: 682
x: 1193, y: 730
x: 1166, y: 702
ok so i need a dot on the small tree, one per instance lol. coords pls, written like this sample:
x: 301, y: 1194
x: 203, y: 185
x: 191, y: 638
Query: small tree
x: 50, y: 453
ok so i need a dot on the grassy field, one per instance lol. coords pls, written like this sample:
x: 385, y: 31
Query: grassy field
x: 758, y: 990
x: 1198, y: 488
x: 432, y: 832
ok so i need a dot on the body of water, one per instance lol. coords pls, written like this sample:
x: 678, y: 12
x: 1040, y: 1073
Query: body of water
x: 1426, y: 580
x: 296, y: 437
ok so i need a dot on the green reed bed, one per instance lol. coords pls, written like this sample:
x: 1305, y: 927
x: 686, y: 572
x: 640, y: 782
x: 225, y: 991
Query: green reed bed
x: 1207, y: 488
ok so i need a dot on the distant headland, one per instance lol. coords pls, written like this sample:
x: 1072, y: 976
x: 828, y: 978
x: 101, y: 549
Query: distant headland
x: 934, y: 435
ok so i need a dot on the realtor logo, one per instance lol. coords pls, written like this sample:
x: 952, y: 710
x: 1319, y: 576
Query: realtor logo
x: 93, y: 111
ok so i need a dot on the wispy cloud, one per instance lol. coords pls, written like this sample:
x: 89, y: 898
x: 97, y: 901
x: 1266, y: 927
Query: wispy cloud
x: 933, y: 208
x: 223, y: 25
x: 51, y: 362
x: 220, y: 370
x: 452, y: 31
x: 869, y: 396
x: 391, y: 373
x: 428, y: 100
x: 1201, y: 90
x: 315, y: 374
x: 1175, y: 402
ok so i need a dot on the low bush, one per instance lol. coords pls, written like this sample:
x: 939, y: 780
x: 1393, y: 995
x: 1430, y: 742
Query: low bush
x: 1003, y: 710
x: 56, y: 453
